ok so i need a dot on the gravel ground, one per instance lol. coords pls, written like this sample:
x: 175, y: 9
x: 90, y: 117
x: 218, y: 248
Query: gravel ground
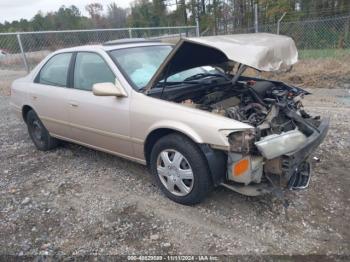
x: 78, y: 201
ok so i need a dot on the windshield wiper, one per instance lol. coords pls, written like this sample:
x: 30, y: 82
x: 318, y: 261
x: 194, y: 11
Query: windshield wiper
x: 178, y: 83
x: 203, y: 75
x: 186, y: 81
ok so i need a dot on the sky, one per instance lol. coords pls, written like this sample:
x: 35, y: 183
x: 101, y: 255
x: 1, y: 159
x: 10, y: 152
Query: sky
x: 16, y: 9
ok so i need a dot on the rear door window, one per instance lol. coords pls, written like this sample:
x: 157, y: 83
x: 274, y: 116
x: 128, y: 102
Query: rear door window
x: 55, y: 71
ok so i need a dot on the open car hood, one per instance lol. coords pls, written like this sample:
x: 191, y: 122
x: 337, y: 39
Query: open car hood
x: 262, y: 51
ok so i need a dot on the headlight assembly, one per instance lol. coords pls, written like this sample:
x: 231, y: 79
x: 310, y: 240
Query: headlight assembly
x: 276, y: 145
x: 241, y: 141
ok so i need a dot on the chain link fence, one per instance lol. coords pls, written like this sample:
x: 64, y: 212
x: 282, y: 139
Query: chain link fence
x: 316, y: 34
x: 319, y: 34
x: 20, y: 52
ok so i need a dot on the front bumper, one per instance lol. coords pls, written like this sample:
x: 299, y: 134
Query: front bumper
x: 290, y: 166
x: 291, y: 161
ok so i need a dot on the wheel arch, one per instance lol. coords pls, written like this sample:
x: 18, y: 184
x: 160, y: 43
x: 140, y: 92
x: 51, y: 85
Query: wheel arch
x: 155, y: 135
x: 216, y: 159
x: 25, y: 110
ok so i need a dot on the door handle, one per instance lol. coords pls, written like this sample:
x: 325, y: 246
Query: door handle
x: 73, y: 104
x: 34, y: 97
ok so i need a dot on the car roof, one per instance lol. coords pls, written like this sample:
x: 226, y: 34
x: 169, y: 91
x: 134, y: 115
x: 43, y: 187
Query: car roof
x: 111, y: 47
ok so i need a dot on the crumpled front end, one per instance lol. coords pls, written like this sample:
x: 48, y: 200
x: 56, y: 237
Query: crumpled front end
x: 275, y: 167
x: 276, y: 153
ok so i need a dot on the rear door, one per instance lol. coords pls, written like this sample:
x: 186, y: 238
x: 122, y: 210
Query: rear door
x: 48, y: 94
x: 100, y: 122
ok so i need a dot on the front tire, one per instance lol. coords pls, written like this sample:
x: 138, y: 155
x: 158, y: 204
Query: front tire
x: 39, y: 134
x: 180, y: 169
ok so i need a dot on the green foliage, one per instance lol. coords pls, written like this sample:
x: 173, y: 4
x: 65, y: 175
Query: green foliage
x: 215, y: 16
x: 140, y: 14
x: 63, y: 18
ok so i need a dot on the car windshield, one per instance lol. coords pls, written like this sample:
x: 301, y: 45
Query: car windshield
x: 141, y: 63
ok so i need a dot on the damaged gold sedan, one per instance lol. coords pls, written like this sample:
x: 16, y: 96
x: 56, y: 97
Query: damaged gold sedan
x: 186, y: 111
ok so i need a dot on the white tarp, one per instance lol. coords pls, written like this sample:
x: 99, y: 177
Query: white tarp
x: 263, y: 51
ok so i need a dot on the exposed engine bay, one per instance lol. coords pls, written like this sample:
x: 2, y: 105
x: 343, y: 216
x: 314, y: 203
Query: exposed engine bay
x: 265, y: 105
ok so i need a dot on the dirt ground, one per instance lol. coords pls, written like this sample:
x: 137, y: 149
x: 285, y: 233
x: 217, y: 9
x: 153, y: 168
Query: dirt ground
x: 78, y: 201
x: 6, y: 78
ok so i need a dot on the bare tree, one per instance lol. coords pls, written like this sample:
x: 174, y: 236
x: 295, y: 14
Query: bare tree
x: 95, y: 10
x: 116, y: 16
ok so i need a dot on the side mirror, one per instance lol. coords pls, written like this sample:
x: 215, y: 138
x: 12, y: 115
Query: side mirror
x: 108, y: 89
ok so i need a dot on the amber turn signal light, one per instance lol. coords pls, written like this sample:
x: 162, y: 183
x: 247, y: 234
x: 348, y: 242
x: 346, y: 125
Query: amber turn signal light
x: 240, y: 167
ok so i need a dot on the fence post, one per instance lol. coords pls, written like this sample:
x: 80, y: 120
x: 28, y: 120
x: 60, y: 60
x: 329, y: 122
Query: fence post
x: 130, y: 33
x: 197, y: 26
x: 279, y: 22
x: 346, y: 33
x: 24, y: 58
x: 256, y: 24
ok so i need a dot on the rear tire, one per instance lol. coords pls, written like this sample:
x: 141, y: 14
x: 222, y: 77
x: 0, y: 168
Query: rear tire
x: 180, y: 169
x: 39, y: 134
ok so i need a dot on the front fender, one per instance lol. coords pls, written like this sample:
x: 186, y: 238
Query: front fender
x: 149, y: 114
x: 177, y: 126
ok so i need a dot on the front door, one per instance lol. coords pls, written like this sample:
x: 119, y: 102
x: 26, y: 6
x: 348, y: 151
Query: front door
x: 100, y: 122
